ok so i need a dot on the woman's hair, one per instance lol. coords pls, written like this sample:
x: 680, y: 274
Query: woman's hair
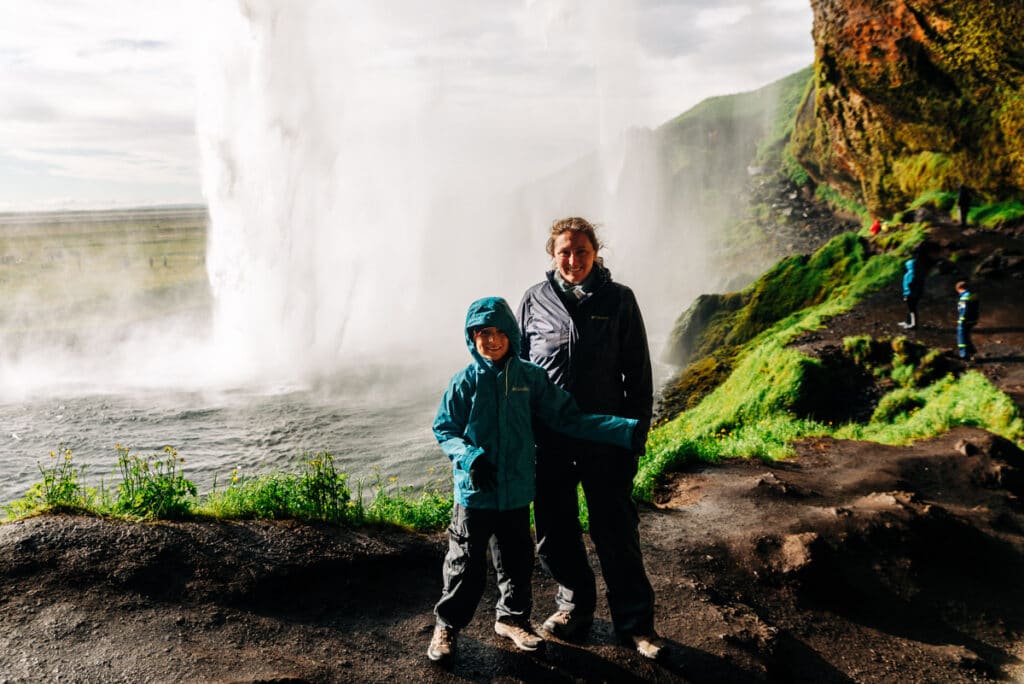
x: 576, y: 225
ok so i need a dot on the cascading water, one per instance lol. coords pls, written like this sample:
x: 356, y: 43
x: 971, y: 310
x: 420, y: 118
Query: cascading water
x: 365, y: 181
x: 362, y: 192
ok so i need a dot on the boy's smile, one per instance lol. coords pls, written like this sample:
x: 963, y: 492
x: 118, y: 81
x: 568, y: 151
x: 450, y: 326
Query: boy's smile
x: 491, y: 343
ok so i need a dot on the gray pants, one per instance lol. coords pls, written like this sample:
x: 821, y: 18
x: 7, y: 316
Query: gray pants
x: 607, y: 479
x: 472, y: 531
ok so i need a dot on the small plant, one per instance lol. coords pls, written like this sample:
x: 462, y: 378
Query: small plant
x: 60, y: 485
x: 397, y: 504
x: 60, y: 488
x: 153, y: 487
x: 268, y: 496
x: 321, y: 491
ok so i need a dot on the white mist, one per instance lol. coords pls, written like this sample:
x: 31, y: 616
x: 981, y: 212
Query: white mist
x: 371, y: 170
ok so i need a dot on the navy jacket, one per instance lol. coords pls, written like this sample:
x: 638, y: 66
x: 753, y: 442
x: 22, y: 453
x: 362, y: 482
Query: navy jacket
x: 967, y: 308
x: 487, y: 412
x: 596, y: 348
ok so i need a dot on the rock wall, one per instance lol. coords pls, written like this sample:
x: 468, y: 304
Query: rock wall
x: 915, y: 96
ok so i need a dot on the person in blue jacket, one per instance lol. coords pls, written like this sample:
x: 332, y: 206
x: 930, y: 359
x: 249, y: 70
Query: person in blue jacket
x: 966, y: 318
x: 913, y: 288
x: 484, y: 425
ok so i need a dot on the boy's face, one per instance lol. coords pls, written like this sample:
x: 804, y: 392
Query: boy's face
x: 491, y: 343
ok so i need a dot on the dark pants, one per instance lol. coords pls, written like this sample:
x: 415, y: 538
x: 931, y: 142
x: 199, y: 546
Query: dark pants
x: 607, y: 479
x: 964, y: 346
x: 472, y: 530
x: 912, y: 310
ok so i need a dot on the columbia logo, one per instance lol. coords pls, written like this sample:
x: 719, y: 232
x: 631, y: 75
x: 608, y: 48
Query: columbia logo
x: 520, y: 389
x: 600, y: 318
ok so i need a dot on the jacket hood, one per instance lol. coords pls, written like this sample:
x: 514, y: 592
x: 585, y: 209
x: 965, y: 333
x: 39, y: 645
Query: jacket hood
x: 490, y: 311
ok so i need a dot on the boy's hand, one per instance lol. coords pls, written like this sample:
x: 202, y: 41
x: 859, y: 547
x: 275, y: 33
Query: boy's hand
x: 483, y: 474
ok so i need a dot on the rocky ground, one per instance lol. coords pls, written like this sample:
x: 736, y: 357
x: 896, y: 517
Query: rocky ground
x: 851, y: 561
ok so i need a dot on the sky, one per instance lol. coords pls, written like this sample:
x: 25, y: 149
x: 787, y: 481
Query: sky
x: 99, y: 98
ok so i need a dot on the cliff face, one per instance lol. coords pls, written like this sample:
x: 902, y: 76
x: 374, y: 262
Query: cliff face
x: 911, y: 96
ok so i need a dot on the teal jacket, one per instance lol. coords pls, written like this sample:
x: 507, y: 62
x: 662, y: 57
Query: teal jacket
x: 488, y: 411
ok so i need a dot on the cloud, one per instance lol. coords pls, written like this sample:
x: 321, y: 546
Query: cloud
x: 120, y: 76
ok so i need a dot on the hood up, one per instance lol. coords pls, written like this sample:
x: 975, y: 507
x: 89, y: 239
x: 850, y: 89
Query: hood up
x: 491, y: 311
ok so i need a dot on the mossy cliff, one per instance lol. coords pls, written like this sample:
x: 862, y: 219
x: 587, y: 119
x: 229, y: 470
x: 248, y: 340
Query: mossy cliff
x: 914, y: 96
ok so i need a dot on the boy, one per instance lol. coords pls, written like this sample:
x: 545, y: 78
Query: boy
x: 966, y: 318
x: 484, y: 425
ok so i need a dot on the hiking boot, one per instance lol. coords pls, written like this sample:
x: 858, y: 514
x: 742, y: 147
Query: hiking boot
x: 647, y: 645
x: 520, y: 632
x: 567, y: 626
x: 442, y: 644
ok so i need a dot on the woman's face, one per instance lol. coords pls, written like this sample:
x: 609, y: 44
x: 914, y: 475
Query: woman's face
x: 574, y: 256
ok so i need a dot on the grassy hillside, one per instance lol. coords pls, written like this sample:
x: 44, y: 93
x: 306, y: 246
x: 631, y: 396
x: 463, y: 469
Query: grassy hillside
x: 749, y: 392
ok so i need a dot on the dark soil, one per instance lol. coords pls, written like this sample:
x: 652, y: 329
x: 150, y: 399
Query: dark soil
x: 851, y: 561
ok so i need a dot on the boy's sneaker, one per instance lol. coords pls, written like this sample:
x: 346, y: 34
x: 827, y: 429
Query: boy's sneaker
x: 565, y: 625
x: 647, y: 645
x: 520, y: 632
x: 442, y: 644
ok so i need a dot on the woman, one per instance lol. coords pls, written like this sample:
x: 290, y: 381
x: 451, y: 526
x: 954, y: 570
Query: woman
x: 586, y: 331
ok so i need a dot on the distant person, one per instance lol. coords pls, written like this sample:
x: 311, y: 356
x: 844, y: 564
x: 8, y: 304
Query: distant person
x: 875, y: 227
x: 963, y: 202
x: 484, y: 425
x: 913, y: 288
x: 586, y: 331
x: 967, y: 309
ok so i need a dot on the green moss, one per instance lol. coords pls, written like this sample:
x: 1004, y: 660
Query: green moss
x: 763, y: 403
x: 689, y: 387
x: 969, y: 400
x: 996, y: 215
x: 926, y: 111
x: 919, y: 173
x: 940, y: 200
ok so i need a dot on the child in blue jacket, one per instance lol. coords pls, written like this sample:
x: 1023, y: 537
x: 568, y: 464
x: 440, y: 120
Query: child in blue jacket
x: 966, y: 318
x: 484, y: 425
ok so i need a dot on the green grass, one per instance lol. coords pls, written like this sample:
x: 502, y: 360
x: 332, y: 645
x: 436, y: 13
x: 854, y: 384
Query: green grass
x: 155, y: 488
x: 996, y: 215
x: 757, y: 411
x: 909, y: 414
x: 79, y: 270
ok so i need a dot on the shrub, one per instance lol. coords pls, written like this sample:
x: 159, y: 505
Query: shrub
x: 60, y: 488
x: 153, y: 487
x: 321, y: 491
x: 398, y: 505
x: 262, y: 497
